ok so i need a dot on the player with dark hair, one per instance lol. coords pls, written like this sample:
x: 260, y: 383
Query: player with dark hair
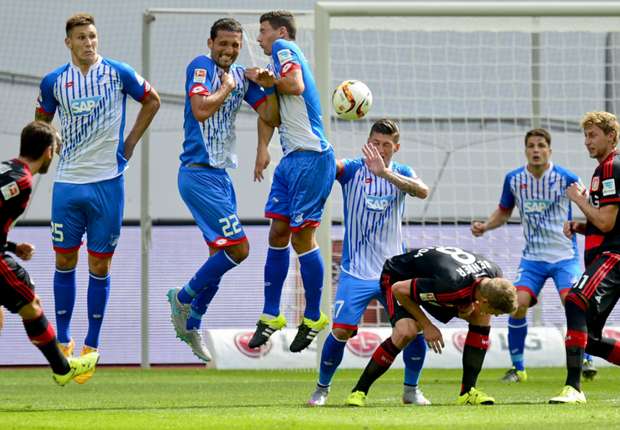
x: 593, y: 297
x: 215, y: 88
x: 38, y: 140
x: 88, y: 197
x: 301, y: 183
x: 538, y: 190
x: 374, y: 189
x: 446, y: 282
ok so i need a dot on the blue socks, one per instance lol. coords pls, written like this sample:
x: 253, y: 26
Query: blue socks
x: 276, y: 269
x: 200, y: 304
x: 213, y: 269
x: 413, y: 356
x: 98, y: 293
x: 517, y: 332
x: 64, y: 301
x: 311, y: 268
x: 331, y: 357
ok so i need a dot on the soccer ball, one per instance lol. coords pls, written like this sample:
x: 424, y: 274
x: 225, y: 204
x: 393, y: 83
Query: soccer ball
x: 351, y: 100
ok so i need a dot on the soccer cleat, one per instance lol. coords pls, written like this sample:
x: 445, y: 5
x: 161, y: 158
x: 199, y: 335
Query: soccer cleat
x: 588, y: 370
x: 197, y: 344
x: 414, y: 396
x: 85, y: 376
x: 319, y: 397
x: 79, y: 366
x: 514, y: 375
x: 356, y: 398
x: 67, y: 349
x: 568, y: 395
x: 307, y: 331
x: 179, y: 313
x: 475, y: 397
x: 265, y: 327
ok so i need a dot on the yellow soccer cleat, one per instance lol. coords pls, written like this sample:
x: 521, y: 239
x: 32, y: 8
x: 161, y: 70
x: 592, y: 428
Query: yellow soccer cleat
x: 514, y: 375
x: 356, y: 398
x: 265, y: 327
x: 569, y: 395
x: 307, y: 331
x: 475, y: 397
x: 67, y: 349
x: 79, y: 366
x: 85, y: 376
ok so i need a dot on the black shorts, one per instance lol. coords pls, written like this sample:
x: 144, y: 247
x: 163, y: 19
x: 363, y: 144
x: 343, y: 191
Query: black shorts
x: 16, y: 288
x: 397, y: 312
x: 599, y: 288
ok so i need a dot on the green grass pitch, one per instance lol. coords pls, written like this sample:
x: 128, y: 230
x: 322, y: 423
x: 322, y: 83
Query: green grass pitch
x: 182, y: 398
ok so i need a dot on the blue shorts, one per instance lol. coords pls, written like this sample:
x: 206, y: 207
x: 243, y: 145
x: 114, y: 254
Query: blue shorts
x: 352, y: 298
x: 95, y: 208
x: 210, y: 197
x: 532, y: 275
x: 301, y: 184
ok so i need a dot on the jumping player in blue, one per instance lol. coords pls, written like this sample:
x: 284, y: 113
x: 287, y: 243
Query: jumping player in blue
x: 301, y: 183
x: 215, y: 88
x: 539, y: 192
x: 374, y: 189
x: 90, y: 93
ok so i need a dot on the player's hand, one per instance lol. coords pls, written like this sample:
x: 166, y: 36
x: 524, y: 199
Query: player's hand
x: 227, y: 81
x: 477, y: 228
x: 263, y: 158
x: 25, y: 251
x: 433, y: 338
x: 576, y: 192
x: 263, y: 77
x: 373, y: 159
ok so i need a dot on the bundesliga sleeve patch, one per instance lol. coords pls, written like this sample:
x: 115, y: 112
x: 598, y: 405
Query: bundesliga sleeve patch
x: 609, y: 187
x: 284, y: 56
x: 10, y: 190
x: 200, y: 76
x: 428, y: 297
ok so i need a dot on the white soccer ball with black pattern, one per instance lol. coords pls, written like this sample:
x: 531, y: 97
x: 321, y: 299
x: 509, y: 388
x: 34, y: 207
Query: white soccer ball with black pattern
x: 351, y: 100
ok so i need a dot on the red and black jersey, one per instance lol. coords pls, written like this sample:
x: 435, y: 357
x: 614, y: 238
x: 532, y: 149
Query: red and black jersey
x: 604, y: 190
x: 15, y: 190
x: 444, y: 275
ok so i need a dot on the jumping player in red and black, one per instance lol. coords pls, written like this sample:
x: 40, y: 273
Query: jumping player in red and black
x: 594, y: 296
x: 446, y: 282
x: 38, y: 141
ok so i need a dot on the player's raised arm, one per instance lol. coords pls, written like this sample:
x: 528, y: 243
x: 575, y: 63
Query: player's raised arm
x: 498, y: 218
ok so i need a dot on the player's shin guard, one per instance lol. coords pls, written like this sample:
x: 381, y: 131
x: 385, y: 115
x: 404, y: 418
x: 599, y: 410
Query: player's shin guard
x: 606, y: 348
x: 97, y: 300
x: 276, y: 269
x: 64, y: 301
x: 213, y: 269
x: 380, y: 362
x: 311, y: 268
x: 517, y: 332
x: 331, y: 357
x: 200, y: 303
x: 42, y: 335
x: 413, y: 356
x: 576, y: 339
x: 476, y: 345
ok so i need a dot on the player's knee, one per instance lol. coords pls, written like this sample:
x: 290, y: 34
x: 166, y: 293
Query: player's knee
x: 404, y: 331
x: 279, y: 234
x: 521, y: 311
x: 239, y: 252
x: 342, y: 334
x: 31, y: 310
x: 303, y: 241
x: 66, y: 261
x: 99, y: 266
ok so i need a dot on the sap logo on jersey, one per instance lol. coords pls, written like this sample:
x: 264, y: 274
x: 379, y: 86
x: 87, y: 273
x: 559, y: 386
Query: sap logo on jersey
x: 378, y: 203
x: 535, y: 206
x: 84, y: 106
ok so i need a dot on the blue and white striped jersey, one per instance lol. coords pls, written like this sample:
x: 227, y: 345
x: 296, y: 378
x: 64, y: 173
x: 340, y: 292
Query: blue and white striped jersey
x: 213, y: 141
x: 301, y: 120
x: 92, y: 117
x: 543, y: 206
x: 373, y: 213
